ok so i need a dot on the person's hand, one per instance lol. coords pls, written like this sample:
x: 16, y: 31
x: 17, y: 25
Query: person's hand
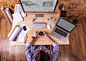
x: 36, y: 34
x: 44, y: 34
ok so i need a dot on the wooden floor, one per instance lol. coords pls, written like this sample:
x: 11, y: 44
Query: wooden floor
x: 76, y: 51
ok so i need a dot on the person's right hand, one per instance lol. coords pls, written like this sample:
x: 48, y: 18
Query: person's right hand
x: 44, y: 34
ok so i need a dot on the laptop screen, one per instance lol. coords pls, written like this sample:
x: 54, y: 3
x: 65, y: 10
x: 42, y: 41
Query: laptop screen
x: 65, y: 24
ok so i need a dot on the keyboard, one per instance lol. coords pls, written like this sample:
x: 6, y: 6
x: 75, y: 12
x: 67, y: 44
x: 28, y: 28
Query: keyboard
x: 60, y: 32
x: 39, y: 15
x: 39, y: 25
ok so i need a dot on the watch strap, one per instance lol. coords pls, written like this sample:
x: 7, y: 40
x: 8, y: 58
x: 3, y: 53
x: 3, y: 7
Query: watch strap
x: 33, y: 37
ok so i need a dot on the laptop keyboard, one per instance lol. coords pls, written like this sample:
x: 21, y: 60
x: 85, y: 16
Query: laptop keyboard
x: 60, y: 32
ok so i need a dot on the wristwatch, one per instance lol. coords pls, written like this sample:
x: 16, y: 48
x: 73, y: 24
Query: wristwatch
x: 33, y: 37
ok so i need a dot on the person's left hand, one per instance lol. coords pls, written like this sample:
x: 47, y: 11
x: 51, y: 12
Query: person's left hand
x: 36, y: 34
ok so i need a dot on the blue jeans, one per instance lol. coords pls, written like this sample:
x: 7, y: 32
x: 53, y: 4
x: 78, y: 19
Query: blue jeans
x: 35, y: 46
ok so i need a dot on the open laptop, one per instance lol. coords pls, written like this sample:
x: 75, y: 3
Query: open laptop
x: 62, y: 29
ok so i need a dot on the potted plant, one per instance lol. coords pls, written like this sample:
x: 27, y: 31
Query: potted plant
x: 75, y: 21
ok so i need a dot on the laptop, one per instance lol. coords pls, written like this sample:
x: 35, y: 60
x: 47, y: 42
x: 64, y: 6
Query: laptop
x: 62, y: 29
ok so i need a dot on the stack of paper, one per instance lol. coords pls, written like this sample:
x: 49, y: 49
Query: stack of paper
x: 22, y: 34
x: 19, y: 32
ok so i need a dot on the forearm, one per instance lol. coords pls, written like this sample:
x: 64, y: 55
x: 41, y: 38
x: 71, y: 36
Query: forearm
x: 32, y: 40
x: 50, y: 40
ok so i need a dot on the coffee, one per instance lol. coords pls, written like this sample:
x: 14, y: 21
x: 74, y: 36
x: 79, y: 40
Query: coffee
x: 40, y: 33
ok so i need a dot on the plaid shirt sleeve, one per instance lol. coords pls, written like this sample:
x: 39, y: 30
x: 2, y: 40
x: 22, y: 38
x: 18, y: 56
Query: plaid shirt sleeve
x: 28, y: 52
x: 55, y: 50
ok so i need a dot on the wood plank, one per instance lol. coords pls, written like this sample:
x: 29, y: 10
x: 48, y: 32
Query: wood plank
x: 76, y: 51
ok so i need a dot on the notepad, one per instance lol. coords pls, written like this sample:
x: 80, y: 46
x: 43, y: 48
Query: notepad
x: 17, y: 17
x: 22, y: 37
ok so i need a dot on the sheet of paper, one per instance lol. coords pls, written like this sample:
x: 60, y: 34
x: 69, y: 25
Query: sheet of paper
x: 17, y: 17
x: 21, y: 37
x: 19, y: 9
x: 22, y: 34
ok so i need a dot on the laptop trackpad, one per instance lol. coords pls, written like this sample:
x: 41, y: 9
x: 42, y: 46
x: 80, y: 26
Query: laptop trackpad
x: 58, y: 36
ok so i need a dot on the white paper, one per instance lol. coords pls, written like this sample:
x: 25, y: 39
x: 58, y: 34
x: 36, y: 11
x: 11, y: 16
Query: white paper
x: 21, y: 37
x: 17, y: 17
x: 19, y: 9
x: 15, y: 33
